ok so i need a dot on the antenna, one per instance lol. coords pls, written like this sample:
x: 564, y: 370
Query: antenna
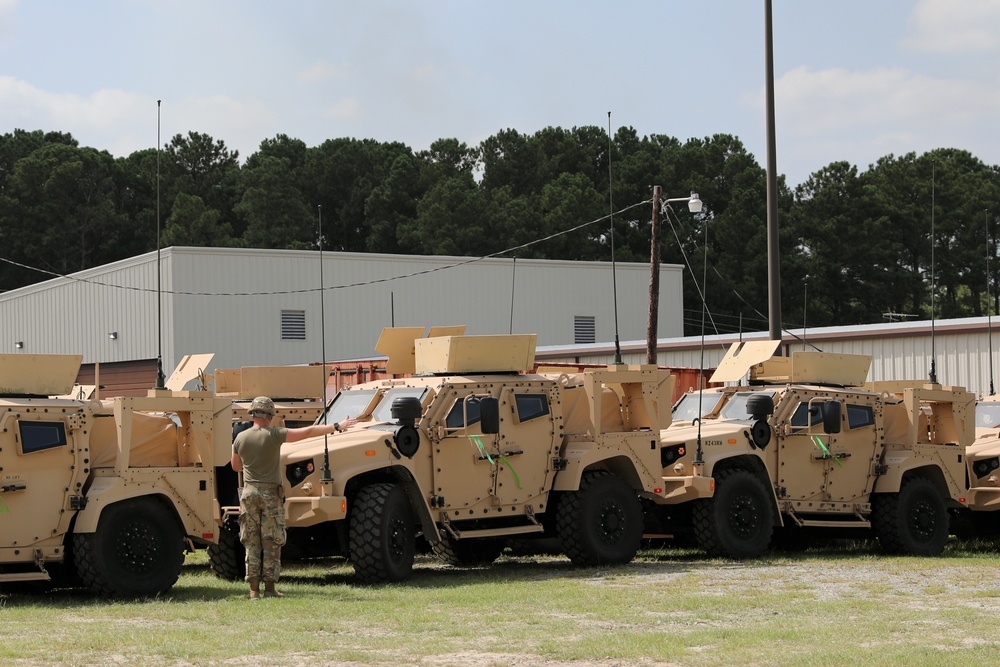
x: 989, y: 302
x: 933, y: 374
x: 513, y: 277
x: 611, y: 218
x: 326, y: 477
x: 159, y: 292
x: 698, y: 459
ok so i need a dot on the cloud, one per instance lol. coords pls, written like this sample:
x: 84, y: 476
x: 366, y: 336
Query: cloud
x: 836, y: 114
x: 122, y: 122
x: 347, y: 109
x: 320, y: 72
x: 950, y: 27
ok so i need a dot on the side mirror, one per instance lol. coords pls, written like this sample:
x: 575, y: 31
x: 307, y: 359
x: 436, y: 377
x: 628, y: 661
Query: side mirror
x: 831, y: 416
x: 489, y: 415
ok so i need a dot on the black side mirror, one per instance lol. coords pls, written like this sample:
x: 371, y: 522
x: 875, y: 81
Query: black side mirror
x: 489, y: 415
x: 831, y: 416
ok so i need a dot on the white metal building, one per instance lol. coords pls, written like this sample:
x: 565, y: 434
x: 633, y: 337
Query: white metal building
x: 960, y: 349
x: 262, y: 307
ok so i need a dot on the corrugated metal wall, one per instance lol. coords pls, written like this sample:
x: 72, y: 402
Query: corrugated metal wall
x: 961, y: 350
x: 206, y: 307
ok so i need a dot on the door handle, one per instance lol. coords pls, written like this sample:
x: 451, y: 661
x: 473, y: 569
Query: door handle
x: 13, y: 487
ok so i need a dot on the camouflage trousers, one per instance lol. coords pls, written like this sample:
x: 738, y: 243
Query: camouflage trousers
x: 262, y: 530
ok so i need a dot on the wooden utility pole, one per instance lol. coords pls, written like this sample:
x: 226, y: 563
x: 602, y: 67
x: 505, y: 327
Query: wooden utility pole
x: 654, y: 279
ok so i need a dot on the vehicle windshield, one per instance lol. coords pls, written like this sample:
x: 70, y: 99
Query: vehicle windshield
x: 348, y: 403
x: 988, y: 414
x: 736, y: 406
x: 686, y: 407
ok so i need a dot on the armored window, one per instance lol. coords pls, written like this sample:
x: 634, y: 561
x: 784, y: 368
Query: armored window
x: 804, y: 416
x: 293, y: 325
x: 461, y: 411
x: 531, y: 406
x: 859, y: 416
x: 584, y: 329
x: 39, y: 436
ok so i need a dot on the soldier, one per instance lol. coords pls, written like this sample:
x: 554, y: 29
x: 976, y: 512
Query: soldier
x: 256, y: 452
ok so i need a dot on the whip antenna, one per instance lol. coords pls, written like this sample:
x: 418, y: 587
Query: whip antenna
x: 159, y: 292
x: 933, y: 375
x: 989, y: 302
x: 611, y: 218
x: 326, y: 477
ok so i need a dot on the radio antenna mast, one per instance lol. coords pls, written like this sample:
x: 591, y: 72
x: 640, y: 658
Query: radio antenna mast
x: 326, y: 476
x: 611, y: 218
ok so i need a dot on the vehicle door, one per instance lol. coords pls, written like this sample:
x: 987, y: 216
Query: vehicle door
x: 525, y: 446
x: 39, y: 472
x: 830, y: 468
x: 464, y: 459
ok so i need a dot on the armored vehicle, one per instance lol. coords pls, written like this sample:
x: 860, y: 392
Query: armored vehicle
x: 465, y: 449
x: 807, y: 446
x: 104, y: 493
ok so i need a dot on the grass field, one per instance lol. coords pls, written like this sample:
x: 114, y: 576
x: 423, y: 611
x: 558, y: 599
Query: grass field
x: 842, y: 605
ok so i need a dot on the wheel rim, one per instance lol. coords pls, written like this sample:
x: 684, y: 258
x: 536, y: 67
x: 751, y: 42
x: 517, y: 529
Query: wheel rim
x: 612, y: 522
x: 137, y: 547
x: 397, y: 539
x: 922, y: 520
x: 744, y: 516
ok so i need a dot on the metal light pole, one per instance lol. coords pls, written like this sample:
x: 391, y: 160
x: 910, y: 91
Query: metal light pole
x: 773, y: 257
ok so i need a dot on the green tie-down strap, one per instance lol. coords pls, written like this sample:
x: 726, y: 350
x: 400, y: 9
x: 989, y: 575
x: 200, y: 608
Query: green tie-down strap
x: 478, y: 440
x: 3, y: 506
x: 827, y: 451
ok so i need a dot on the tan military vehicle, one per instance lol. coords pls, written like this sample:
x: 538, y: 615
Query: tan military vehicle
x: 469, y: 450
x: 108, y: 493
x: 807, y: 446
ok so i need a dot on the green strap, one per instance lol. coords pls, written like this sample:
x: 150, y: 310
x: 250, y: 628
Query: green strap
x: 4, y: 508
x: 478, y: 440
x: 513, y: 472
x: 827, y: 451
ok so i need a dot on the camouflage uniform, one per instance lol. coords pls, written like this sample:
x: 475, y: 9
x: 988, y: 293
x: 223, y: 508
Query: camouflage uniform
x: 262, y: 510
x: 262, y: 530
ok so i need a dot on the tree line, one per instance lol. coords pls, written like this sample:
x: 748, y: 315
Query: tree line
x: 857, y: 246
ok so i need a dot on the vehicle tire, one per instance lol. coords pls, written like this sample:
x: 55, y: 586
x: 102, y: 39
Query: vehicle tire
x: 601, y: 523
x: 738, y: 520
x: 913, y: 521
x: 136, y: 551
x: 468, y: 553
x: 227, y: 559
x: 382, y: 535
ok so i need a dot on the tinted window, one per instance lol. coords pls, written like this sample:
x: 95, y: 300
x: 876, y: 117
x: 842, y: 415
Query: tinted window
x: 804, y: 417
x: 39, y: 436
x: 686, y: 407
x: 456, y: 418
x: 531, y: 406
x: 860, y: 415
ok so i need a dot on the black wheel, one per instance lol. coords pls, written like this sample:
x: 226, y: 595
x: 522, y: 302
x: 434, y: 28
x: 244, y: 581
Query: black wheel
x: 227, y: 559
x: 601, y: 523
x: 913, y: 521
x: 136, y: 551
x: 738, y: 520
x: 382, y: 538
x: 468, y: 553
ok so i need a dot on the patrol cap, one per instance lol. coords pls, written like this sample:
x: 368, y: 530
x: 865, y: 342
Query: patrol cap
x: 262, y: 404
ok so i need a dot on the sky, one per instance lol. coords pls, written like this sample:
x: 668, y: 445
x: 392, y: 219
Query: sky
x: 855, y: 80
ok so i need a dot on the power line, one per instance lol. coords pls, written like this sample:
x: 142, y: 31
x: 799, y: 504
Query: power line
x: 317, y: 289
